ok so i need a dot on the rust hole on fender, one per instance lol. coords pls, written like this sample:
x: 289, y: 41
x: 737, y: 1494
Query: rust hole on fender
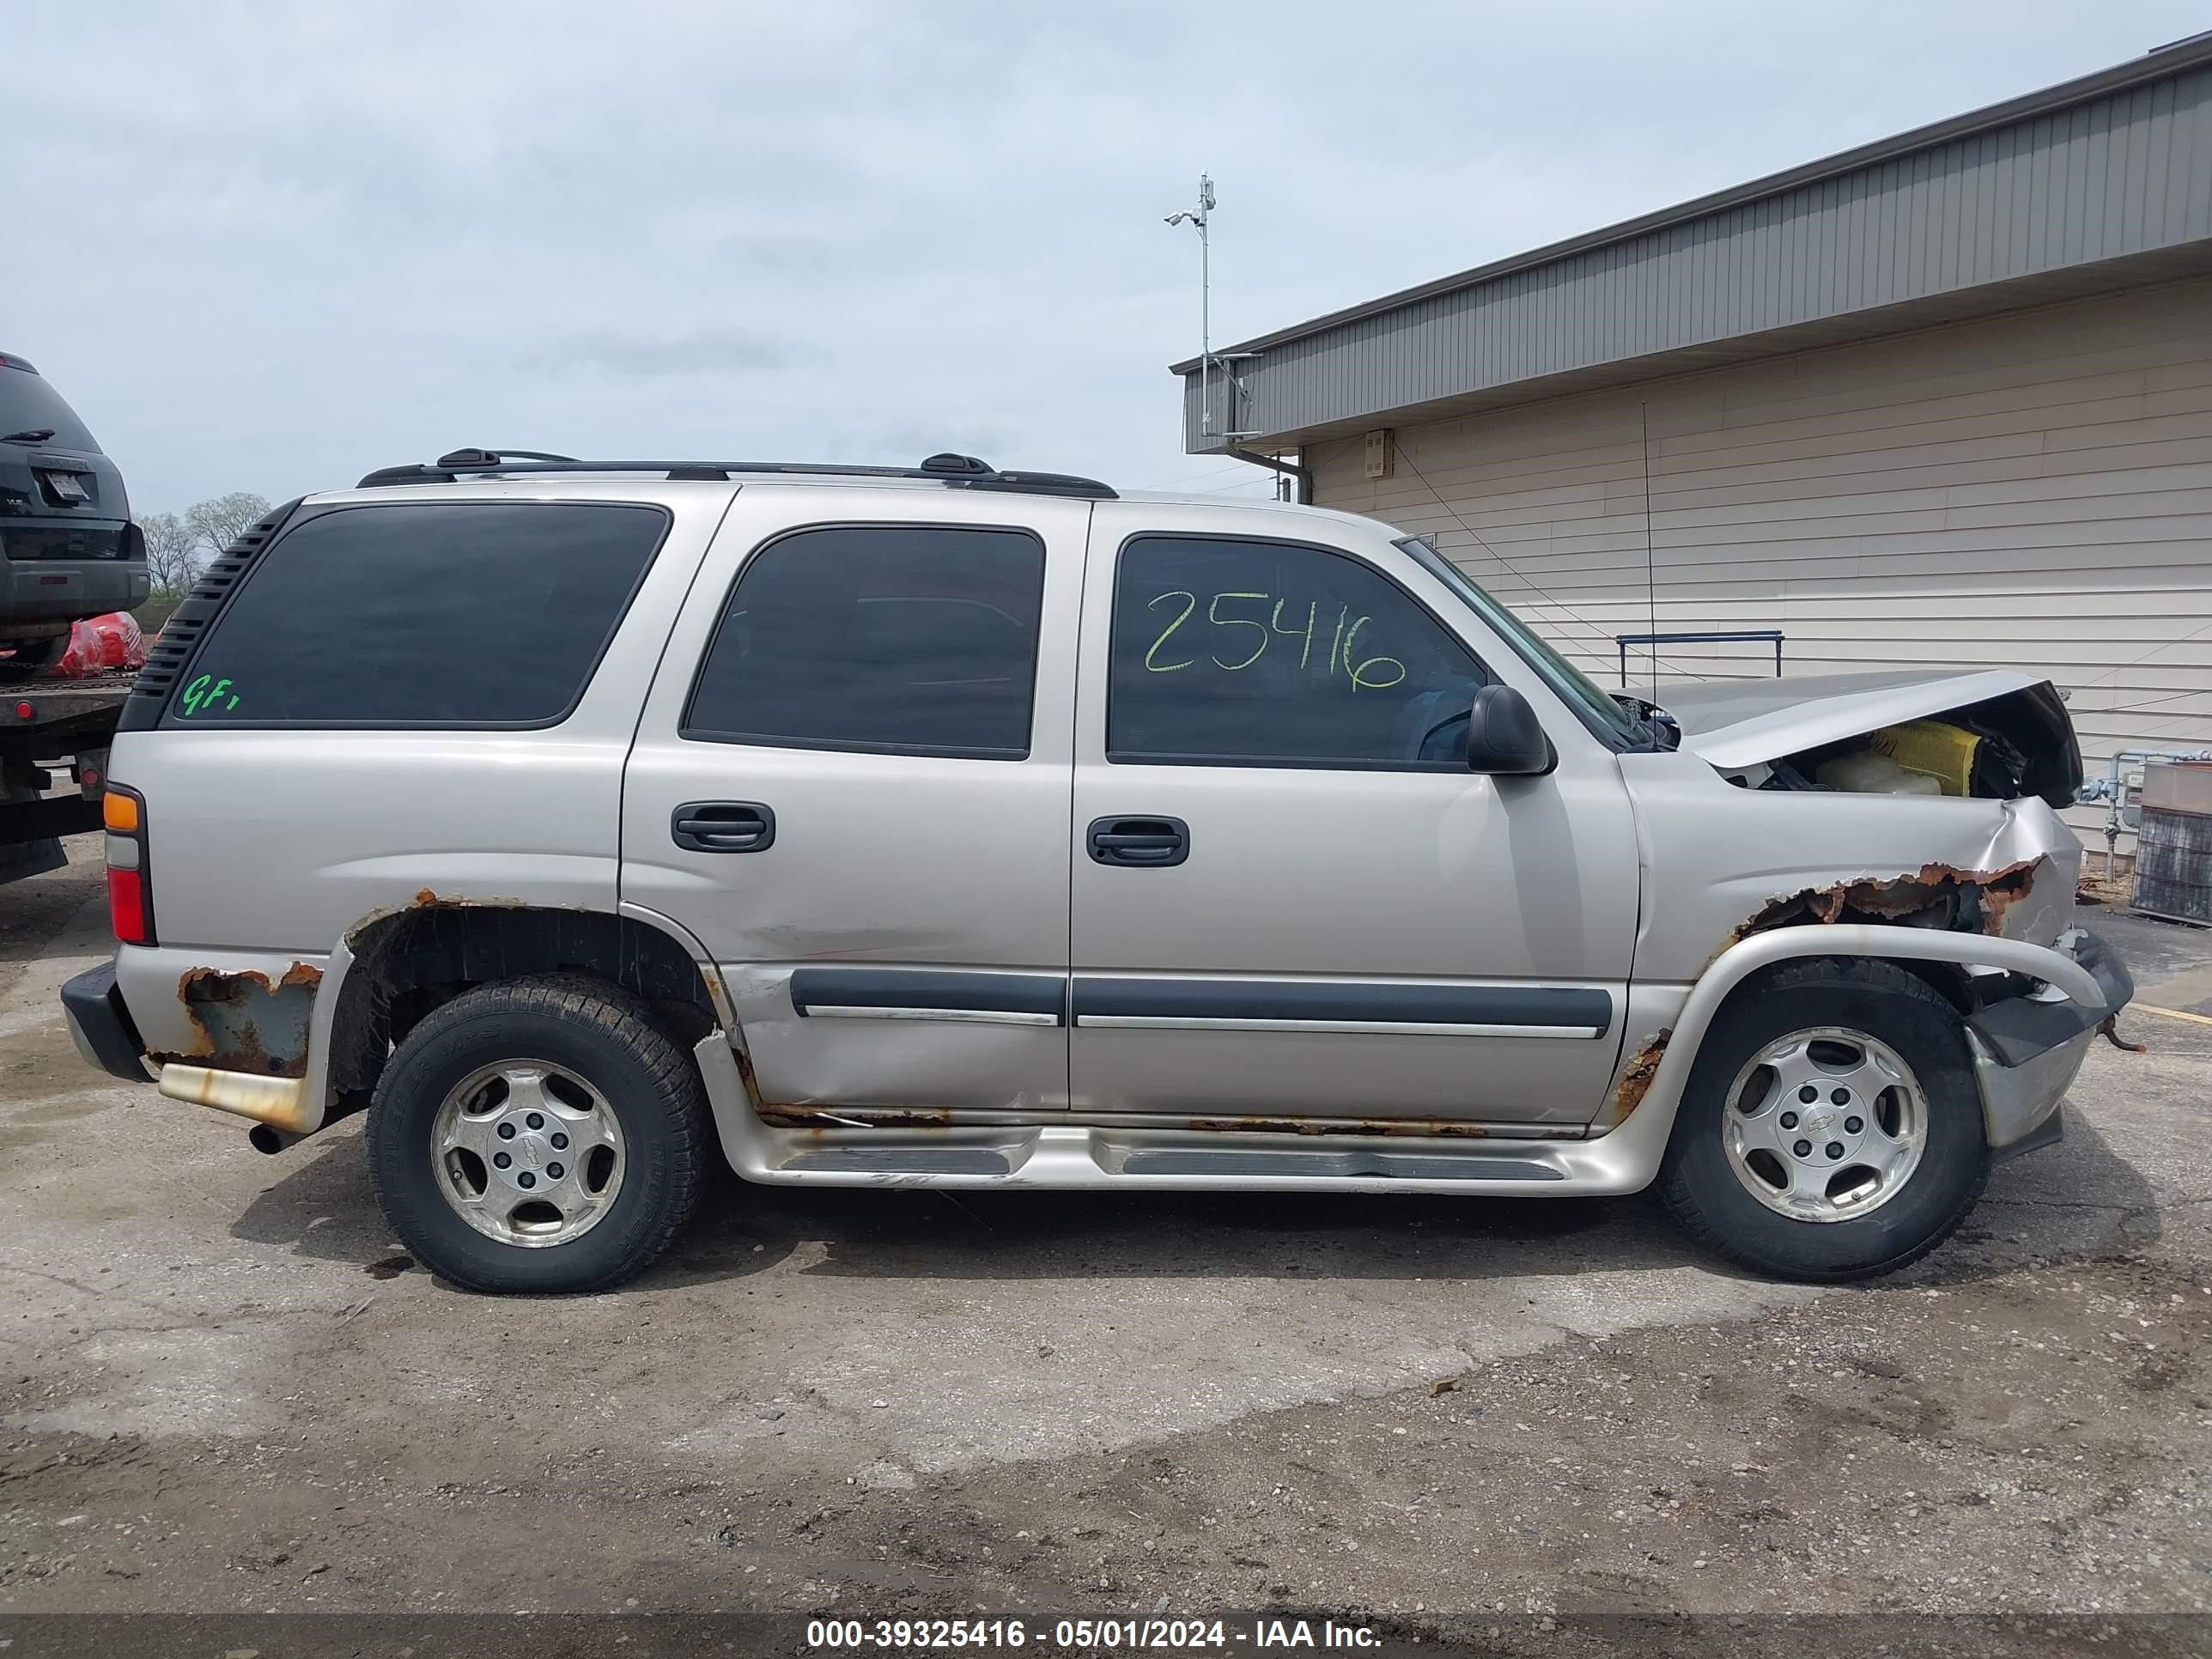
x: 1636, y: 1081
x: 1939, y: 896
x: 245, y: 1021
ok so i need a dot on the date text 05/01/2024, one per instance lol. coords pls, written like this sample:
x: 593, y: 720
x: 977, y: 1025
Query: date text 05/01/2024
x: 1090, y: 1635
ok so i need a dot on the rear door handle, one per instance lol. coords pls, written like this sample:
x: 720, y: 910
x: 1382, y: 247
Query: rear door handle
x: 1145, y: 843
x: 722, y: 826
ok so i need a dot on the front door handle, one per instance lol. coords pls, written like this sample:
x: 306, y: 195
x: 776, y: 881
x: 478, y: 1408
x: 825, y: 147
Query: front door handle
x: 1146, y: 843
x: 722, y: 826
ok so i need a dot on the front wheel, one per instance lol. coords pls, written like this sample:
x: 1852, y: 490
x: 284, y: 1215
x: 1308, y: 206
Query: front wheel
x: 1832, y: 1129
x: 538, y: 1135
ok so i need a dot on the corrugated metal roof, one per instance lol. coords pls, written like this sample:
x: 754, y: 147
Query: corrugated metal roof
x: 2110, y: 166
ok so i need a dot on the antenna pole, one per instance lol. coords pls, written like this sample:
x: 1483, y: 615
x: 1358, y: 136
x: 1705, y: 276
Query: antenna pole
x: 1651, y: 568
x: 1204, y: 311
x: 1197, y: 217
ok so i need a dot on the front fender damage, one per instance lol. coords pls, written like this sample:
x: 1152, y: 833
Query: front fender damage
x: 2025, y: 1039
x: 1944, y: 896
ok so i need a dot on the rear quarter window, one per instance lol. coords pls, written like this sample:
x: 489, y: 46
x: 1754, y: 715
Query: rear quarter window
x: 436, y: 614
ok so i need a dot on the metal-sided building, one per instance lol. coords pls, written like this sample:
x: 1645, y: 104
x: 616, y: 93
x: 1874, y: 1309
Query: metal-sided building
x: 1943, y: 399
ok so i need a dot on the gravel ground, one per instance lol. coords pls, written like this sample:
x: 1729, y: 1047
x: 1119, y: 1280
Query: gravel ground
x: 224, y: 1390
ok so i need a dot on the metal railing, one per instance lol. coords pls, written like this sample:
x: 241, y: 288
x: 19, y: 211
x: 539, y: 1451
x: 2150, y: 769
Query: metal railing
x: 1760, y: 636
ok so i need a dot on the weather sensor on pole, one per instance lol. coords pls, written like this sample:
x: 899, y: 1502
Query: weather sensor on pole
x: 1207, y: 359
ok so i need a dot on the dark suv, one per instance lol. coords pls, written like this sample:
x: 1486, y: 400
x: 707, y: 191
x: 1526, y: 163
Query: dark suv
x: 70, y: 548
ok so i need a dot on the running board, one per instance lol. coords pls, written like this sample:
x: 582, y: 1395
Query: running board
x: 1074, y: 1156
x: 1337, y: 1165
x: 899, y: 1160
x: 1299, y: 1163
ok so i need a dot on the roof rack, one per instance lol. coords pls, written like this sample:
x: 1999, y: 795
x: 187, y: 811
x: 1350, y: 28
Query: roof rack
x: 957, y: 472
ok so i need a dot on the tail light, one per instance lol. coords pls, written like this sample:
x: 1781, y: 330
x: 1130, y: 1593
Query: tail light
x: 130, y: 883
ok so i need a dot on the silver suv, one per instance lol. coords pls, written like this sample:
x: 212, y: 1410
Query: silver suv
x: 951, y: 827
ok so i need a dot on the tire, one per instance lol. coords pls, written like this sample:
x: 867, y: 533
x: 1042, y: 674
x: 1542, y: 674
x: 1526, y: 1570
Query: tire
x: 1710, y: 1190
x: 592, y: 1058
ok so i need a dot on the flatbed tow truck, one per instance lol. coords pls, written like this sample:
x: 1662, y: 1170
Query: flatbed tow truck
x: 47, y: 726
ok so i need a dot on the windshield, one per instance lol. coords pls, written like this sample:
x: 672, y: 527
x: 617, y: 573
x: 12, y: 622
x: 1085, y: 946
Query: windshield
x: 1601, y: 712
x: 29, y: 404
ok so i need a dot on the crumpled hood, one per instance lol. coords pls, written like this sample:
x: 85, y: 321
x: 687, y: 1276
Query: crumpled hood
x: 1739, y: 723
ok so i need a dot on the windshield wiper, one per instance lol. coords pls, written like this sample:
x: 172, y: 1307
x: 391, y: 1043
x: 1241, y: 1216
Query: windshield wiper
x: 29, y: 434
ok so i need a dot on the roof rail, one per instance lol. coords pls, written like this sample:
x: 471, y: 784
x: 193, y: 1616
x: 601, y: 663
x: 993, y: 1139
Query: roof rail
x: 957, y: 471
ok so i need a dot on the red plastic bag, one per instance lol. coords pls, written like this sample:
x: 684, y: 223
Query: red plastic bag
x: 102, y: 645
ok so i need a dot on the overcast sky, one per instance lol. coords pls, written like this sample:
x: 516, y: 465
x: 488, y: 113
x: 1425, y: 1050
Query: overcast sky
x: 269, y: 247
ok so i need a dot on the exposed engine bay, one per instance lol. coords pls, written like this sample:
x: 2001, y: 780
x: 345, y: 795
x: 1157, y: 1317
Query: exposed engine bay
x: 1888, y: 734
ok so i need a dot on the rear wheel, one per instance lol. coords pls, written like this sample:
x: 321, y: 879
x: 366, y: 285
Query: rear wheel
x: 1831, y: 1128
x: 538, y: 1135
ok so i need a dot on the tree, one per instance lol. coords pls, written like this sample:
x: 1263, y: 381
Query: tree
x: 172, y: 552
x: 222, y: 521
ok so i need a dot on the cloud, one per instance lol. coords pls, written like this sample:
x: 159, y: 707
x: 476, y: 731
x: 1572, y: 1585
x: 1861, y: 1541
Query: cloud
x: 773, y: 251
x: 298, y: 242
x: 703, y: 353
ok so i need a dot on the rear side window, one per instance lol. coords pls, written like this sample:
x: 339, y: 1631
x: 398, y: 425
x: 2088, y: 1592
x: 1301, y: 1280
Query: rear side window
x: 896, y: 639
x: 29, y: 405
x: 453, y: 613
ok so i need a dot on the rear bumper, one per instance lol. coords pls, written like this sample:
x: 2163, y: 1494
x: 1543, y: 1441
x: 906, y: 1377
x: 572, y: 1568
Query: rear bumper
x: 62, y: 590
x: 100, y: 1025
x: 2028, y: 1049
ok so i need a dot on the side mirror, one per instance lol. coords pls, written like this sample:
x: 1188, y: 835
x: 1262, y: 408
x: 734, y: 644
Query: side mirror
x: 1503, y: 737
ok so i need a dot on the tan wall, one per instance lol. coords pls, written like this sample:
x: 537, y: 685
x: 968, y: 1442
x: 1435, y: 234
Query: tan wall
x: 2034, y: 489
